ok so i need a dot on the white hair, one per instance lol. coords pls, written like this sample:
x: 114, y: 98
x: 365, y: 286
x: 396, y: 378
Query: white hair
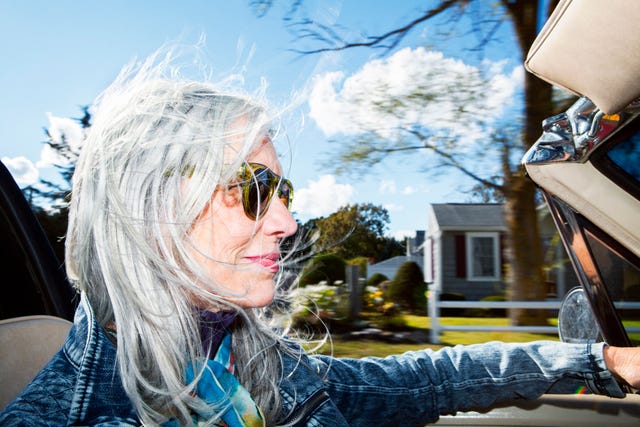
x: 128, y: 249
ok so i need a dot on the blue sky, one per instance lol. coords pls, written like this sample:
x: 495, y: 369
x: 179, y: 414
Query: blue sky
x: 59, y: 55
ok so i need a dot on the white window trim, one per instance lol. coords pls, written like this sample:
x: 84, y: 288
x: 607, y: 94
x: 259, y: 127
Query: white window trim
x: 496, y: 256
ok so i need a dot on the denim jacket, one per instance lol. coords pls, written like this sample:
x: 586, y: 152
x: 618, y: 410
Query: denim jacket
x: 80, y: 385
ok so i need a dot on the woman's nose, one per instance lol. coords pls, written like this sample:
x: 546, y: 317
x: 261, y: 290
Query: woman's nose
x: 278, y: 220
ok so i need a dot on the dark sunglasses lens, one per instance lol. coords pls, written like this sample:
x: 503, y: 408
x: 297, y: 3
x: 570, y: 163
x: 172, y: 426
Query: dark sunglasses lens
x: 260, y: 183
x: 259, y: 192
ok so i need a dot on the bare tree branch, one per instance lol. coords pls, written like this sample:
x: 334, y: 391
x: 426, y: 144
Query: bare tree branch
x: 371, y: 155
x: 449, y: 160
x: 393, y: 37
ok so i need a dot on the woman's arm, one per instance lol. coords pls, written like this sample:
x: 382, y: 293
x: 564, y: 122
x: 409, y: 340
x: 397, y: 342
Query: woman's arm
x: 419, y: 386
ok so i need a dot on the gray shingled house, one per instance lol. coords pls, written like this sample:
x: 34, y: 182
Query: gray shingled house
x: 464, y: 251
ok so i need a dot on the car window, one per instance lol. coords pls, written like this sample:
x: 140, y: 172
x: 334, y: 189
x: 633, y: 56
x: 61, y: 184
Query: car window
x: 620, y: 161
x: 620, y: 272
x: 626, y: 155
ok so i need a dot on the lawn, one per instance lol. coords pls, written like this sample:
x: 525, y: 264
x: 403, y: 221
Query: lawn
x: 360, y: 348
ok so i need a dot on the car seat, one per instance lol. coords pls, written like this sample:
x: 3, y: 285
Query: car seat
x: 26, y: 345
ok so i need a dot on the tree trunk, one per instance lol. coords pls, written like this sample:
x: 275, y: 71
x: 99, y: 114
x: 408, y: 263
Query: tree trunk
x: 525, y: 274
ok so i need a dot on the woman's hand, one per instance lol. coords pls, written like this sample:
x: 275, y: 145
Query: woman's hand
x: 624, y: 364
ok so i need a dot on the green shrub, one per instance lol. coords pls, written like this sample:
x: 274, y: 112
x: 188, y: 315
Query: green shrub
x: 327, y: 268
x: 376, y: 279
x: 408, y: 288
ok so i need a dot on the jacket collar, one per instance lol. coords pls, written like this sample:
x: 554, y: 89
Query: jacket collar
x: 99, y: 392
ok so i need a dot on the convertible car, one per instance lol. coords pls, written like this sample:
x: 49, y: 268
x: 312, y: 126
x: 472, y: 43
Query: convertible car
x: 586, y: 164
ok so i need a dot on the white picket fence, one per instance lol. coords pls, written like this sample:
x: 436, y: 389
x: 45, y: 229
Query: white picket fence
x: 437, y: 328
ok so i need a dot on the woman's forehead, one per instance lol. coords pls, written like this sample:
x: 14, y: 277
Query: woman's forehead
x: 265, y: 153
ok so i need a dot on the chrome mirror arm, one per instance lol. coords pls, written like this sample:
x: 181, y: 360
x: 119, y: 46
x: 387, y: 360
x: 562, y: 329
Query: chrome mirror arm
x: 572, y: 136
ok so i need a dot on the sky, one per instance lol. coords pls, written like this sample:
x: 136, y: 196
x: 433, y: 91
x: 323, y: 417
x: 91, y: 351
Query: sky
x: 59, y: 55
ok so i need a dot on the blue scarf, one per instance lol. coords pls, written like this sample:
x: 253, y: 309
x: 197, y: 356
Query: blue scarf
x: 218, y: 386
x: 222, y: 391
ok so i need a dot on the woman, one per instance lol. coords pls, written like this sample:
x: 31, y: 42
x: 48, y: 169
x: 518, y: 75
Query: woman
x: 177, y: 214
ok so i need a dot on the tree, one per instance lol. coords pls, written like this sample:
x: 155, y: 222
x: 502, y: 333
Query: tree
x: 391, y: 248
x: 49, y: 200
x: 485, y: 18
x: 51, y: 194
x: 353, y: 231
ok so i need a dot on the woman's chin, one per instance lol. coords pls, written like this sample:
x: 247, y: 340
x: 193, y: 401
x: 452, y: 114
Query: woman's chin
x: 260, y: 295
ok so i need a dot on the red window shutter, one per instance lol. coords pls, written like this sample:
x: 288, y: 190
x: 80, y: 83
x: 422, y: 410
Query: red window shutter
x: 461, y: 255
x: 503, y: 255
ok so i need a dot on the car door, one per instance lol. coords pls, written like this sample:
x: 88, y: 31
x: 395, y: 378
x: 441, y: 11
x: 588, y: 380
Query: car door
x: 33, y: 279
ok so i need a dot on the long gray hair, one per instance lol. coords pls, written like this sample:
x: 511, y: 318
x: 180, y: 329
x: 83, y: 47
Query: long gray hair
x: 130, y: 214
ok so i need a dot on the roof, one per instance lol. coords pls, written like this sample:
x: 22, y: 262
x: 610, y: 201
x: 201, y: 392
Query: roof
x: 397, y: 261
x: 468, y: 215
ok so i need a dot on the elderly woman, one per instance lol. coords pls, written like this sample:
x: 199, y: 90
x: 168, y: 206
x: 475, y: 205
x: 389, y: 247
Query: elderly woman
x: 178, y: 211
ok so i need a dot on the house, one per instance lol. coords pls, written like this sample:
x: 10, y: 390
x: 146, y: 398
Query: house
x: 464, y: 251
x: 389, y: 267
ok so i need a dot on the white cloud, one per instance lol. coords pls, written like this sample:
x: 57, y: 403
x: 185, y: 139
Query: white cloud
x: 61, y: 130
x: 503, y: 86
x: 321, y: 197
x: 392, y: 207
x: 453, y: 95
x: 70, y: 129
x: 49, y: 157
x: 387, y: 186
x: 22, y: 170
x: 408, y: 190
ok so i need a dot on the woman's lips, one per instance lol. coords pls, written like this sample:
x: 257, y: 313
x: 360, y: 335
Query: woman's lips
x: 268, y: 261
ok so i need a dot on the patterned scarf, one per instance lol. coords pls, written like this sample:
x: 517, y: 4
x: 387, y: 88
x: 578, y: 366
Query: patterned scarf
x: 219, y: 388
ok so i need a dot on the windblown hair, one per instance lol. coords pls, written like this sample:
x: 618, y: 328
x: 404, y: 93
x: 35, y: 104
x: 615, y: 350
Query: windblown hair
x: 128, y: 247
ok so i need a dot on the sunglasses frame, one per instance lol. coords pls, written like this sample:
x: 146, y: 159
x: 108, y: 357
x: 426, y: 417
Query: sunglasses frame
x: 251, y: 175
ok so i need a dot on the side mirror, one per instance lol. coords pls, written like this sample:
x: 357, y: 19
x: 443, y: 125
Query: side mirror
x: 576, y: 322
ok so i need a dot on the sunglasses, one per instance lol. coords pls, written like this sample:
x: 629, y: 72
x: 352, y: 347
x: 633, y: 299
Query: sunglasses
x: 258, y: 184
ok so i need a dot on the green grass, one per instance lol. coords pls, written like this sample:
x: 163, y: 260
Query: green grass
x: 362, y: 348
